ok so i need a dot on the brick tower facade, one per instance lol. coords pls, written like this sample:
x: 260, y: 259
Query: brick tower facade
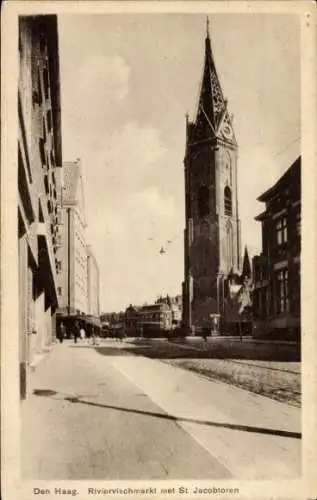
x: 212, y: 232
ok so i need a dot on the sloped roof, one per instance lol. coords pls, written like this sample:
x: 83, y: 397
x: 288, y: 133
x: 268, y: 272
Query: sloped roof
x: 293, y: 170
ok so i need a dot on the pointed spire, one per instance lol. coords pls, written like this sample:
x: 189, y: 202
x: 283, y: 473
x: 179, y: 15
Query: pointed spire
x: 211, y: 100
x: 207, y: 28
x: 246, y: 267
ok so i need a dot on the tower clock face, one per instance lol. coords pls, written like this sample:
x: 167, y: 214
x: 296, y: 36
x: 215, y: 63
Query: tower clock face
x: 227, y: 131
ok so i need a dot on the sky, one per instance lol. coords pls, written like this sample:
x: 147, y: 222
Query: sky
x: 127, y: 82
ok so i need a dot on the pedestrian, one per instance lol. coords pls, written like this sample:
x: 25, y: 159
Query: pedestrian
x: 205, y: 333
x: 82, y: 333
x: 93, y: 336
x: 76, y: 332
x: 62, y: 332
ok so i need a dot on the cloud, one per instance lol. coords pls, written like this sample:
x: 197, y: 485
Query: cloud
x: 142, y: 214
x: 104, y: 76
x: 130, y: 152
x: 125, y: 161
x: 130, y: 262
x: 127, y: 202
x: 93, y: 89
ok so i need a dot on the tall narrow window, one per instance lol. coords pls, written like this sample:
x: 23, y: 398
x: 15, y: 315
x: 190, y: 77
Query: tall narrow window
x: 228, y: 167
x: 42, y: 152
x: 49, y: 119
x: 229, y: 246
x: 46, y: 83
x: 228, y: 201
x: 282, y: 291
x: 44, y: 130
x: 281, y: 231
x: 30, y: 301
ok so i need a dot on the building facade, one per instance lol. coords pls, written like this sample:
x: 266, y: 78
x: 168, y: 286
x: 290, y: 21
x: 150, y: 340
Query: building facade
x: 154, y: 319
x: 39, y: 161
x: 212, y: 232
x: 72, y: 251
x: 175, y: 305
x: 276, y: 271
x: 132, y: 314
x: 93, y: 286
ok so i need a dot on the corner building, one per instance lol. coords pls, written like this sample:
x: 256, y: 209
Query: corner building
x: 39, y: 158
x: 212, y: 232
x: 277, y: 271
x: 72, y: 252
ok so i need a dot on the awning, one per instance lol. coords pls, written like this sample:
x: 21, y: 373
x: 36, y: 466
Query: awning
x: 47, y: 264
x: 93, y: 320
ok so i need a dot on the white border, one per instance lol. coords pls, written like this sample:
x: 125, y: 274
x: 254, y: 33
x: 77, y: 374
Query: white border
x: 306, y: 487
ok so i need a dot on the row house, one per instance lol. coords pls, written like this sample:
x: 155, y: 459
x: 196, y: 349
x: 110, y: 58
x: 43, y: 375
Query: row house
x: 39, y: 161
x: 175, y: 305
x: 276, y: 271
x: 132, y: 316
x: 154, y: 319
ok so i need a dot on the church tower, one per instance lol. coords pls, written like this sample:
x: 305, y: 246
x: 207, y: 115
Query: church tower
x: 212, y: 232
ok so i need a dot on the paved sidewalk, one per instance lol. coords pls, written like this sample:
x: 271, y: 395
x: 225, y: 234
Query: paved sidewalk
x: 254, y: 436
x: 130, y: 417
x: 85, y: 420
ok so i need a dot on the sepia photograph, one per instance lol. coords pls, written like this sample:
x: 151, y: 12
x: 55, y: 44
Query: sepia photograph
x: 157, y: 185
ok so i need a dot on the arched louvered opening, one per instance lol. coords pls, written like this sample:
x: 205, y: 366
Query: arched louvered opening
x: 228, y: 201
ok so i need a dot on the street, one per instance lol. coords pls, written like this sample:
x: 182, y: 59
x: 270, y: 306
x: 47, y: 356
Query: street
x: 105, y: 413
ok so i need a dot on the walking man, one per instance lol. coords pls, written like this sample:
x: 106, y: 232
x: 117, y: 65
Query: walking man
x: 76, y: 332
x: 62, y: 331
